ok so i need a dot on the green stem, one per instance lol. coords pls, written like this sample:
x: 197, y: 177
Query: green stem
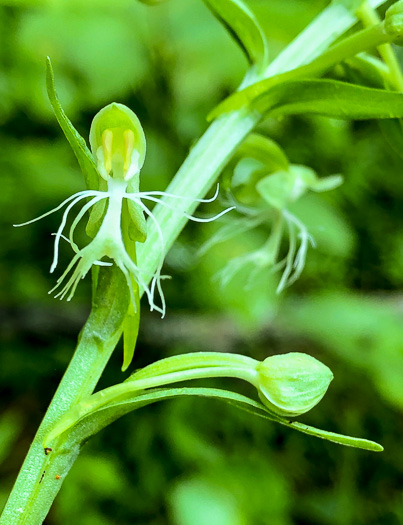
x: 37, y: 486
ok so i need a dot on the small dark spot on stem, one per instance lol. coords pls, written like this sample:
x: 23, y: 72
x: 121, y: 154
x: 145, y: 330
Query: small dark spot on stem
x: 48, y: 450
x: 43, y: 474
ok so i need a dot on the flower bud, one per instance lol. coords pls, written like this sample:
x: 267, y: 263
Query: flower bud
x: 117, y: 142
x: 291, y: 384
x: 394, y: 22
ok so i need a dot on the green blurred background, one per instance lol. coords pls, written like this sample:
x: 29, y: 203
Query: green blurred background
x: 199, y: 462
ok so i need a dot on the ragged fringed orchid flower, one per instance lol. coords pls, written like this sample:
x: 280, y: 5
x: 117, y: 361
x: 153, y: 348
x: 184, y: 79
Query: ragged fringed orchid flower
x: 118, y: 151
x: 264, y: 186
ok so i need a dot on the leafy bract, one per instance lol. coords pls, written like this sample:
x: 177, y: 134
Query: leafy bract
x: 76, y: 141
x: 82, y: 429
x: 329, y: 98
x: 84, y: 156
x: 240, y: 21
x: 346, y: 48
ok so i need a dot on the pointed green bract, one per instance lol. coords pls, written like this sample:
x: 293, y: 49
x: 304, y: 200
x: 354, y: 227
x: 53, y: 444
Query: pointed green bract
x: 85, y: 159
x: 333, y: 99
x: 330, y: 98
x: 244, y: 27
x: 81, y: 430
x: 76, y: 141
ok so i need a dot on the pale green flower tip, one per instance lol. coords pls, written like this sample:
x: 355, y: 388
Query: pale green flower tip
x: 291, y: 384
x: 394, y: 23
x: 117, y: 142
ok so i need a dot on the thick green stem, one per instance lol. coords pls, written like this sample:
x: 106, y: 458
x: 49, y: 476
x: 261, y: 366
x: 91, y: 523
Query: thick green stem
x: 37, y: 486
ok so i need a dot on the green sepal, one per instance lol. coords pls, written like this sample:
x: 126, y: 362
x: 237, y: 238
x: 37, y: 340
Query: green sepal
x: 76, y: 141
x: 255, y: 158
x: 80, y: 430
x: 265, y: 150
x: 243, y: 26
x: 119, y: 117
x: 276, y: 189
x: 243, y: 180
x: 326, y: 183
x: 285, y: 187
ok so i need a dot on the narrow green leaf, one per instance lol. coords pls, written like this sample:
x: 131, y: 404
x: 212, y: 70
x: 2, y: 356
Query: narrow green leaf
x: 330, y: 98
x: 82, y: 429
x: 349, y: 46
x: 340, y: 439
x: 240, y: 21
x: 76, y: 141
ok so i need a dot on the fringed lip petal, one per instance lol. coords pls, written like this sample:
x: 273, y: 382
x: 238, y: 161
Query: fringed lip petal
x: 108, y: 241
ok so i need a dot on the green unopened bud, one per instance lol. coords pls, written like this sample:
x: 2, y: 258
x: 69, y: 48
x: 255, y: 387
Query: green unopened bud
x: 394, y: 22
x: 117, y: 142
x: 291, y: 384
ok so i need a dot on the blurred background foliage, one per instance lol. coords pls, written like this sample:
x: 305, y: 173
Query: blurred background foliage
x: 197, y: 462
